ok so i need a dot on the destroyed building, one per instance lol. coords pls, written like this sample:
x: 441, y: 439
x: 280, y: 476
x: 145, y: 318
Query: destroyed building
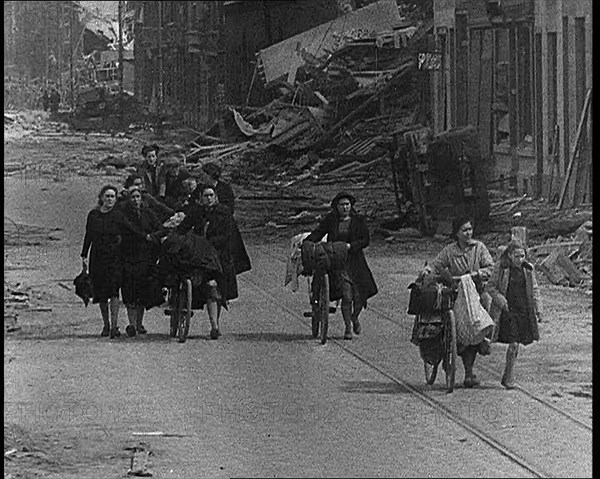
x: 520, y: 71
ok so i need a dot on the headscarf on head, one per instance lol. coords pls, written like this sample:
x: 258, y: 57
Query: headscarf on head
x: 341, y: 195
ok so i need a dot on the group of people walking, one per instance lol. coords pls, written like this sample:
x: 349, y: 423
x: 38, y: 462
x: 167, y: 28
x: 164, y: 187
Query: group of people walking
x: 123, y: 236
x: 123, y: 239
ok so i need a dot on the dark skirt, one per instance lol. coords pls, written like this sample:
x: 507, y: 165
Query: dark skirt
x: 105, y: 272
x: 516, y: 328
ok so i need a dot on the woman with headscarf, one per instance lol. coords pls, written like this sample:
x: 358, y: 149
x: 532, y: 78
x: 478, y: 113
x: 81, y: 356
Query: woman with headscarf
x: 466, y: 256
x: 215, y: 222
x: 355, y: 283
x: 138, y: 253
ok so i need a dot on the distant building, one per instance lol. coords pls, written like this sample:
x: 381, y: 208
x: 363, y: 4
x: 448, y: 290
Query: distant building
x: 203, y: 54
x: 519, y: 71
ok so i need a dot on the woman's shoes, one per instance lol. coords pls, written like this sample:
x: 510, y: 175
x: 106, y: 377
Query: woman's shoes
x: 105, y: 332
x: 471, y: 381
x: 115, y: 333
x: 130, y: 330
x: 214, y: 334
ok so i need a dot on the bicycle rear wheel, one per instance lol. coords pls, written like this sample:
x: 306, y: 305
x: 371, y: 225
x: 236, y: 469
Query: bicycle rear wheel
x: 323, y: 306
x: 185, y: 309
x: 450, y: 353
x: 174, y: 311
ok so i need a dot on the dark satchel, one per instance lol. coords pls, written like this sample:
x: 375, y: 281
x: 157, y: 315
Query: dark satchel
x: 83, y: 286
x: 429, y: 298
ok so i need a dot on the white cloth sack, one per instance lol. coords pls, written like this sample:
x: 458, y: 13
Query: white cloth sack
x: 293, y: 266
x: 473, y: 322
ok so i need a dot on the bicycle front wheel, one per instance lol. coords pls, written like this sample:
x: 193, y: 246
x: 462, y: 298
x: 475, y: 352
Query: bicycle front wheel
x: 450, y: 352
x: 323, y: 306
x: 185, y: 309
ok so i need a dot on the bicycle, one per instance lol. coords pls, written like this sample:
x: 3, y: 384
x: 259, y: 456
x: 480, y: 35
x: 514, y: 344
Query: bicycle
x: 180, y: 310
x: 440, y: 342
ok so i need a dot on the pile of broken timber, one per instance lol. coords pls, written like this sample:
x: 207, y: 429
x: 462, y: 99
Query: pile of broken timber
x: 566, y: 261
x: 502, y: 208
x: 218, y: 152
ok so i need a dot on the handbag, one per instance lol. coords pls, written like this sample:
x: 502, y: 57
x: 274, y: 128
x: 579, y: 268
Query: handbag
x: 83, y: 286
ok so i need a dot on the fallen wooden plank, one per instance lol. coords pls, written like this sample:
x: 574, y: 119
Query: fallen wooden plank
x: 547, y: 248
x: 571, y: 272
x: 575, y: 150
x: 342, y: 168
x: 364, y: 166
x: 552, y: 269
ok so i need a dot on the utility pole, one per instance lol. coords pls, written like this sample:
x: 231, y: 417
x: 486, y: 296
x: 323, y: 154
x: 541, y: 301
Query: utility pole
x: 121, y: 57
x: 120, y: 47
x: 160, y: 63
x: 71, y: 54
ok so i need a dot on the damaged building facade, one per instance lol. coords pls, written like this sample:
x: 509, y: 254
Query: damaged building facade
x: 520, y: 71
x: 182, y: 48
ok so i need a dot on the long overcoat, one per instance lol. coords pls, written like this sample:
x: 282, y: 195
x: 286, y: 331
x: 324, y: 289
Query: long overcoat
x: 498, y: 285
x: 217, y: 225
x: 137, y: 254
x: 358, y: 238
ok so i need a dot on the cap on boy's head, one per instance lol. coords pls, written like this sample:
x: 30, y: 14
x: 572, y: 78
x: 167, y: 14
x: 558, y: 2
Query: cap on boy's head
x: 212, y: 169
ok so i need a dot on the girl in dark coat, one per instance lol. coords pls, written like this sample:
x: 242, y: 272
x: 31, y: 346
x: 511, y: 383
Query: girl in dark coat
x: 515, y: 304
x: 137, y: 254
x: 355, y: 282
x: 103, y: 234
x: 215, y: 221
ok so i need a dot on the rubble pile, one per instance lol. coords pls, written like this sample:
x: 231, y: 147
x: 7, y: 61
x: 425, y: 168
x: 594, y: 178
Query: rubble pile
x: 559, y: 242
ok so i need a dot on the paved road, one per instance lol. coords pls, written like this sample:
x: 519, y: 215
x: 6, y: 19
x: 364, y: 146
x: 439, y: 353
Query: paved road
x: 266, y: 400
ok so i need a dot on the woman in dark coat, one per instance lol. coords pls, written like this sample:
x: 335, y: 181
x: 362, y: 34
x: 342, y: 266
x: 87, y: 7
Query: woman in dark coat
x: 215, y: 222
x: 355, y: 282
x: 102, y: 241
x: 138, y: 254
x: 515, y: 304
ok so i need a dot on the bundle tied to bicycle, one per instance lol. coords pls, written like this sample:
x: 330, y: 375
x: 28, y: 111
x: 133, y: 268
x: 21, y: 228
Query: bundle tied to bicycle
x: 432, y: 294
x: 324, y: 256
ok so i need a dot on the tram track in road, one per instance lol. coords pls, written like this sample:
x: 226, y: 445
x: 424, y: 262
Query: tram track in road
x: 383, y: 315
x: 499, y: 446
x: 427, y: 399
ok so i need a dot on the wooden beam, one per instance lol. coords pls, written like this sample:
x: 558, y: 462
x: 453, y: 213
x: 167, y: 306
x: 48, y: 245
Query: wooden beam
x: 575, y: 149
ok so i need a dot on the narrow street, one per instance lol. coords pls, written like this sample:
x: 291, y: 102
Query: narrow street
x: 266, y: 400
